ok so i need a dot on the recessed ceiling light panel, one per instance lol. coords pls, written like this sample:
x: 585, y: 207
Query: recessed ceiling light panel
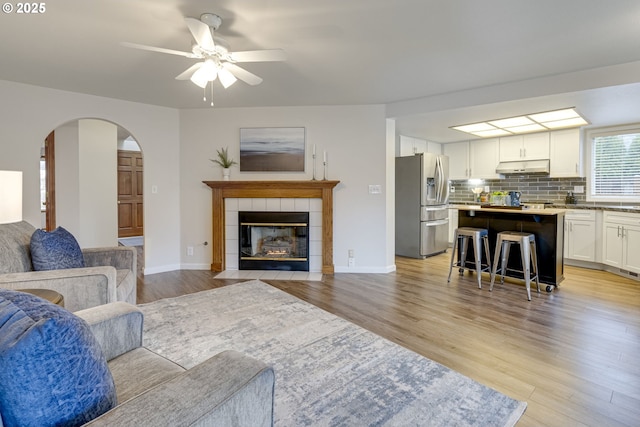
x: 511, y: 122
x: 538, y: 122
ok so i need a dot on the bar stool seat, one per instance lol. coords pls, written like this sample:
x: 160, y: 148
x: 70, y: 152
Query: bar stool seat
x: 528, y: 254
x: 480, y: 238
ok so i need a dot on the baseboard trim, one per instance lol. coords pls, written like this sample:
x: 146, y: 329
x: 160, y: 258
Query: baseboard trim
x: 373, y: 270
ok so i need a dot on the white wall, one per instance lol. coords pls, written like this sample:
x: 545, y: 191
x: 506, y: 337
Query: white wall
x: 176, y: 147
x: 98, y: 167
x: 27, y: 115
x: 67, y: 177
x: 355, y: 139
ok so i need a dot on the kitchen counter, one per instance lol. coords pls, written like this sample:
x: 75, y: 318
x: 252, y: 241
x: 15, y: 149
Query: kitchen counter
x: 511, y: 211
x: 546, y: 224
x: 617, y: 208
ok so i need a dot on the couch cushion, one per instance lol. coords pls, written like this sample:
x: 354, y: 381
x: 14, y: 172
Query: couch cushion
x: 55, y: 250
x: 14, y: 247
x: 52, y: 370
x: 139, y: 370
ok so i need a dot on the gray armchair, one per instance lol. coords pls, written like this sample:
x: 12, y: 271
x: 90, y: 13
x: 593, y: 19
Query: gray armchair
x: 109, y: 275
x: 229, y: 389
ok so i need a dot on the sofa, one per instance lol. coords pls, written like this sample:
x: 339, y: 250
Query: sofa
x: 109, y: 274
x: 90, y: 368
x: 229, y: 389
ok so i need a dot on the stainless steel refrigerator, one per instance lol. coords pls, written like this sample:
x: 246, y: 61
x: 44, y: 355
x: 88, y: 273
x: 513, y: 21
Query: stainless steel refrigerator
x: 422, y: 215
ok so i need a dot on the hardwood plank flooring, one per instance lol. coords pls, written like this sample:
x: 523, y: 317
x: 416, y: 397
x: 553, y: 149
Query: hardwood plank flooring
x: 572, y: 355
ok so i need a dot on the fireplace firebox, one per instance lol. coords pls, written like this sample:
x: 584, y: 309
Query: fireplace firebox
x: 274, y: 241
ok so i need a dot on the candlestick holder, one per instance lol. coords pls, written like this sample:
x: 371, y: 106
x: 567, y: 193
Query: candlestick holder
x: 324, y: 170
x: 314, y: 166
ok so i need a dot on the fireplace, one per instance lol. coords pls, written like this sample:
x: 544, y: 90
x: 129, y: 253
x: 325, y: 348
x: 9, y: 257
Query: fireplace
x: 273, y: 241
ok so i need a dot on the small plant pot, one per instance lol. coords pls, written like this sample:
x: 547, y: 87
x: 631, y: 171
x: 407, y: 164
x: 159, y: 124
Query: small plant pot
x: 226, y: 172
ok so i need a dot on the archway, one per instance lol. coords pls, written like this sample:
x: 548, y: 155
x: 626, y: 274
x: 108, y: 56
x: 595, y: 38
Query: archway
x: 94, y: 183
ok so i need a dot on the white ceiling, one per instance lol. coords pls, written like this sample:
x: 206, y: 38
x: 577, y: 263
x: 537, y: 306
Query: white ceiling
x: 435, y: 63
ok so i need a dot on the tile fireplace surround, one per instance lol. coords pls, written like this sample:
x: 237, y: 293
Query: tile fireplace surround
x: 315, y: 197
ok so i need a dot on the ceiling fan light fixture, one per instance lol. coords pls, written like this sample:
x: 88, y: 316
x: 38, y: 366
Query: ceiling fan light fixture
x: 226, y: 78
x: 199, y: 80
x: 206, y: 73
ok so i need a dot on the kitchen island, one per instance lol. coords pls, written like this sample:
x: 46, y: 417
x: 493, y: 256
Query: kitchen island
x: 546, y: 224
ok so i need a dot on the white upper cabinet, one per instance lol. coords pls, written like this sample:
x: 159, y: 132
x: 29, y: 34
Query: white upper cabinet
x: 566, y: 154
x: 410, y: 146
x: 484, y: 156
x: 473, y: 159
x: 531, y: 146
x: 458, y: 153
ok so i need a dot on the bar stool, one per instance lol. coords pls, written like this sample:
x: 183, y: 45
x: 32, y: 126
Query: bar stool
x: 528, y: 254
x: 479, y: 236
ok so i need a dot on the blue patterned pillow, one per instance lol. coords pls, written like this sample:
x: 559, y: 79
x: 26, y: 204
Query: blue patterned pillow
x: 55, y: 250
x: 52, y: 370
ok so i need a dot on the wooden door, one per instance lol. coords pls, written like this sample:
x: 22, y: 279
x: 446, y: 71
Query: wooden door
x: 50, y: 177
x: 130, y: 205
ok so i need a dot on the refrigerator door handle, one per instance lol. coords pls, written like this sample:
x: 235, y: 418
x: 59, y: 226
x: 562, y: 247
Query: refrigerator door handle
x: 437, y: 177
x: 436, y: 223
x: 441, y: 184
x: 445, y: 185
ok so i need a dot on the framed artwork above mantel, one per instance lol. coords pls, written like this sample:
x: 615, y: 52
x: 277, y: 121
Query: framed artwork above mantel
x: 277, y: 149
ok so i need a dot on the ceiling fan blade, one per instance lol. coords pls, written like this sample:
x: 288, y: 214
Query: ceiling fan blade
x: 259, y: 55
x: 186, y: 74
x: 158, y: 49
x: 201, y: 33
x: 242, y: 74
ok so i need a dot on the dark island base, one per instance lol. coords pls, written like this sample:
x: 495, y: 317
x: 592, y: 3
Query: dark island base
x: 549, y: 232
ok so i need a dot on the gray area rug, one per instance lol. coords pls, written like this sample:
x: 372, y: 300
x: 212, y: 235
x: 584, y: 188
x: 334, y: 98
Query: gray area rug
x: 329, y: 372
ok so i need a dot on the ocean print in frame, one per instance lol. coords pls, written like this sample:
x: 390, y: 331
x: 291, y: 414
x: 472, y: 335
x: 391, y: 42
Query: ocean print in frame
x: 272, y: 149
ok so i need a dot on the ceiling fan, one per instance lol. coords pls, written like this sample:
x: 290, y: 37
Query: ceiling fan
x: 217, y: 60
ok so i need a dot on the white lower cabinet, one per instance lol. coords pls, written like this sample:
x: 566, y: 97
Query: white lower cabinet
x: 580, y: 235
x: 621, y: 240
x: 453, y: 223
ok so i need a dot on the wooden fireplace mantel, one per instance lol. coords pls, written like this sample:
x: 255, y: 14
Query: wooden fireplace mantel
x: 222, y: 190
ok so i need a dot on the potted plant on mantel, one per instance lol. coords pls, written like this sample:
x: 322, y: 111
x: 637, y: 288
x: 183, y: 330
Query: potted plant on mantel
x: 225, y: 161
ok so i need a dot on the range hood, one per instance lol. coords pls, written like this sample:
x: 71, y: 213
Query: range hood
x: 523, y: 167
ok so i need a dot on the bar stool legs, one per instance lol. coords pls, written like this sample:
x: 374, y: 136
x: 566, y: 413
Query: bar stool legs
x: 480, y: 237
x: 528, y: 254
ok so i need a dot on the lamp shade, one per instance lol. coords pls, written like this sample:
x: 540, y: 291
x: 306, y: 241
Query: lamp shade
x: 10, y: 196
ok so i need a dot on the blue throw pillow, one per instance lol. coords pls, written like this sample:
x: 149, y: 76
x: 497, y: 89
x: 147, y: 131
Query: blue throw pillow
x: 55, y: 250
x: 52, y: 370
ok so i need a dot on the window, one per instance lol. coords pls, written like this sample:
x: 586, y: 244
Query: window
x: 615, y: 164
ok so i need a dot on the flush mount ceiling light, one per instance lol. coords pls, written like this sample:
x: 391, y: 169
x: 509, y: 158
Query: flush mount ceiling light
x: 557, y: 119
x: 218, y: 62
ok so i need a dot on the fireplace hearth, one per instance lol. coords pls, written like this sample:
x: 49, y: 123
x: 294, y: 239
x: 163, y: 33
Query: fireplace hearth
x: 273, y: 241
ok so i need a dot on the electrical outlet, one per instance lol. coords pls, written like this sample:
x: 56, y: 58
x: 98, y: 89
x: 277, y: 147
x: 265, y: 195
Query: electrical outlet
x: 375, y: 189
x: 578, y: 189
x: 189, y: 250
x: 352, y: 262
x: 452, y: 189
x: 351, y: 253
x: 486, y: 189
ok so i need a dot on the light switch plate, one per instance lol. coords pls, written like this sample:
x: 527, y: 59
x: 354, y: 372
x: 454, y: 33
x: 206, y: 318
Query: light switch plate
x: 375, y: 189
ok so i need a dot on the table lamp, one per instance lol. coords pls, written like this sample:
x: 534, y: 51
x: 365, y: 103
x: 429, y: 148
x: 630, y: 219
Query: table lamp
x: 10, y: 196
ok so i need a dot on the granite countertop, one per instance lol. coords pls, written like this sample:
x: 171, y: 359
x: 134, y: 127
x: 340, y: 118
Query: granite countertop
x: 562, y: 206
x: 498, y: 209
x: 632, y: 209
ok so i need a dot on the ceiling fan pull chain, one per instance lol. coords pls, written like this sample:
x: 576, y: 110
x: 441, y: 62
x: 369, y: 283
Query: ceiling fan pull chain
x: 204, y: 94
x: 212, y: 94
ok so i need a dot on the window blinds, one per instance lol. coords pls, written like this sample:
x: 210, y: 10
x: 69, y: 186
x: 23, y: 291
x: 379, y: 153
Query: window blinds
x: 616, y: 165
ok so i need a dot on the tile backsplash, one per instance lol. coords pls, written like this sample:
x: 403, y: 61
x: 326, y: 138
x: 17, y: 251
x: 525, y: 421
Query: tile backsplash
x: 533, y: 188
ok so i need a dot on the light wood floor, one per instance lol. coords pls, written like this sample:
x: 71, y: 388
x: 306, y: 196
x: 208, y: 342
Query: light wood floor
x: 573, y: 355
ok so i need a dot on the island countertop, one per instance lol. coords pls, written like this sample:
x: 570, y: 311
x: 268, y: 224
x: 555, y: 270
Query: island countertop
x: 511, y: 211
